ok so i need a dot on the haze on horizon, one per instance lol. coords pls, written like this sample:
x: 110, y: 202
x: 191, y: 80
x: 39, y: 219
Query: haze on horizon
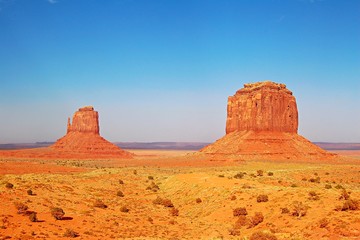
x: 162, y: 70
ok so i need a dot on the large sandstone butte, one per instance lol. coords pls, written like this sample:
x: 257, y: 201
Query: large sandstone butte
x: 262, y: 124
x: 83, y: 138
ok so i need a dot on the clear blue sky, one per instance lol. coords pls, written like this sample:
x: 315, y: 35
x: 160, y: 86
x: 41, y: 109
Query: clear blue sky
x: 162, y: 70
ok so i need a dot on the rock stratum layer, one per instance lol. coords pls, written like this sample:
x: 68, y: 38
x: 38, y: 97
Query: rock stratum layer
x: 262, y: 124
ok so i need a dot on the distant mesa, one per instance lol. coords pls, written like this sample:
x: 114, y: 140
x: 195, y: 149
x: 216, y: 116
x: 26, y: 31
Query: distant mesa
x: 83, y: 137
x: 262, y: 123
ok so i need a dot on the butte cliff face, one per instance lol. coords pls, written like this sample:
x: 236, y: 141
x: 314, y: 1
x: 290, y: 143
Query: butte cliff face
x: 85, y: 120
x: 262, y: 124
x: 263, y: 106
x: 83, y: 138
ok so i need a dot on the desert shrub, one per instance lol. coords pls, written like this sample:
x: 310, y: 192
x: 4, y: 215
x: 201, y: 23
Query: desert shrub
x: 339, y: 186
x: 163, y: 201
x: 327, y: 173
x: 150, y: 177
x: 315, y: 180
x: 124, y: 209
x: 99, y: 204
x: 150, y: 219
x: 257, y: 218
x: 299, y: 209
x: 21, y: 207
x: 174, y: 212
x: 239, y: 211
x: 234, y: 232
x: 233, y: 197
x: 328, y: 186
x: 270, y: 174
x: 120, y: 194
x: 345, y: 195
x: 198, y: 200
x: 313, y: 195
x: 9, y: 185
x: 323, y: 223
x: 157, y: 201
x: 293, y: 185
x: 33, y: 217
x: 253, y: 175
x: 57, y: 213
x: 121, y: 181
x: 167, y: 203
x: 316, y: 174
x: 262, y: 236
x: 285, y: 210
x: 221, y: 175
x: 153, y: 187
x: 29, y: 192
x: 70, y: 233
x: 135, y: 172
x: 350, y: 204
x: 260, y: 173
x: 241, y: 221
x: 262, y: 198
x: 239, y: 175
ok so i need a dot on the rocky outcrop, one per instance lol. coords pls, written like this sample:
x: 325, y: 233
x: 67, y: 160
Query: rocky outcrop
x: 85, y: 120
x: 83, y: 138
x: 262, y: 106
x: 262, y: 124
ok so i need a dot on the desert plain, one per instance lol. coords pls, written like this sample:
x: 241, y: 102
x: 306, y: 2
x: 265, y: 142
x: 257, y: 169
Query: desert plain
x: 304, y: 200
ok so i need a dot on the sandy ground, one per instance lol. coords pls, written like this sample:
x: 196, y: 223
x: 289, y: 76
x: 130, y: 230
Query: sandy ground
x: 75, y: 185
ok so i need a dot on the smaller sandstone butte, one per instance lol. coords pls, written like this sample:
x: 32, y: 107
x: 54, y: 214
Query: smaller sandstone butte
x: 262, y: 106
x: 86, y: 120
x: 83, y: 138
x: 262, y: 124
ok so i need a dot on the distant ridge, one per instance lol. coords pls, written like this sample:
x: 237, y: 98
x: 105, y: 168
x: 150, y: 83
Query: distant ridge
x: 173, y: 145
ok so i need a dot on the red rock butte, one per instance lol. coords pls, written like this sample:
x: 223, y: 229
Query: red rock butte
x: 83, y: 137
x: 262, y: 124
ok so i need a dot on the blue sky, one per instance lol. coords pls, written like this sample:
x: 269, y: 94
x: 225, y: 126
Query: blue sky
x: 162, y: 70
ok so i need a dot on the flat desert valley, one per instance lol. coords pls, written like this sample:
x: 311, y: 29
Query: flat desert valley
x: 167, y: 195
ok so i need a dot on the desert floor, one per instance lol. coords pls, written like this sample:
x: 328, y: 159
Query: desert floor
x: 305, y: 200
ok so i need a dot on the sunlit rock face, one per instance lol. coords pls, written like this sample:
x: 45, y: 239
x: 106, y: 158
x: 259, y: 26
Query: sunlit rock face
x: 262, y: 106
